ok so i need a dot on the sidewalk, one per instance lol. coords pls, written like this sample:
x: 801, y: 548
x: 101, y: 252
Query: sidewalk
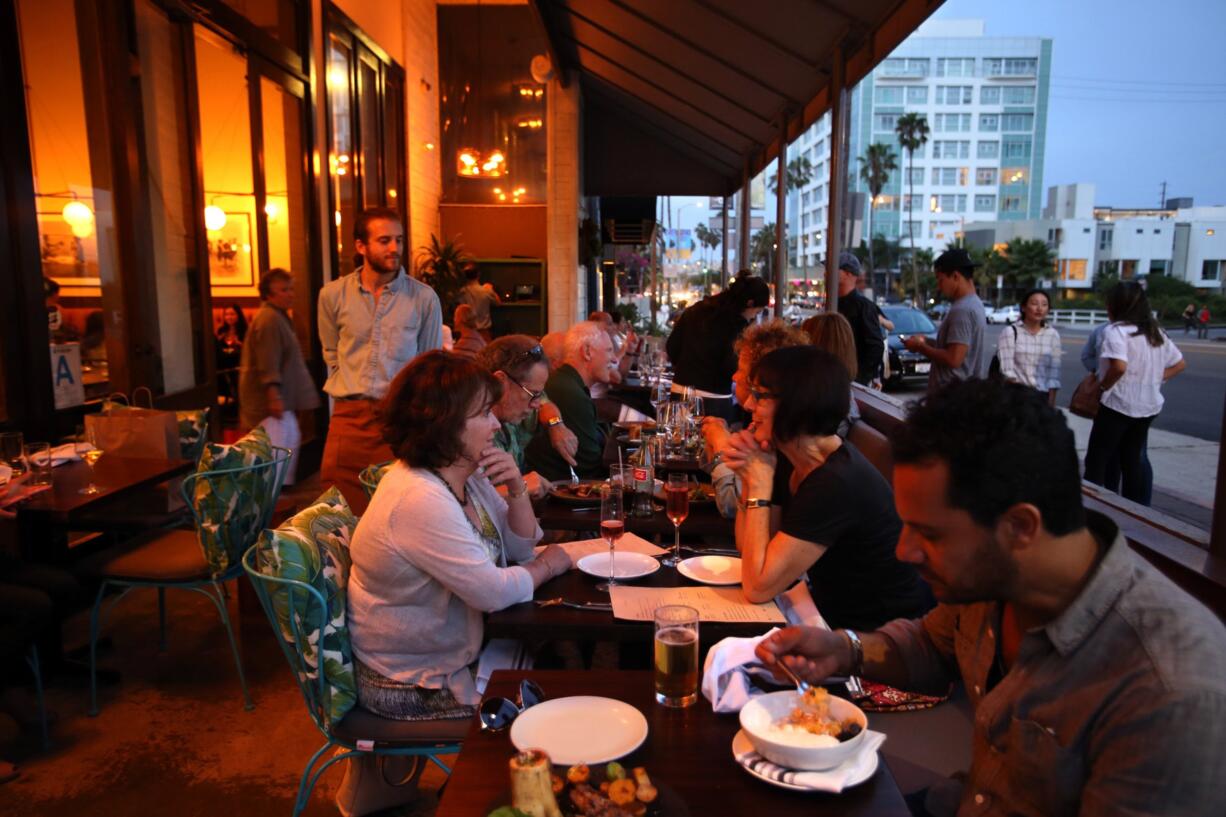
x: 1185, y: 471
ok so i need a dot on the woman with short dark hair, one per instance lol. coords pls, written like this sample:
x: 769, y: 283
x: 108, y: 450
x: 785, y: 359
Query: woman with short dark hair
x: 1029, y: 351
x: 435, y: 548
x: 812, y: 504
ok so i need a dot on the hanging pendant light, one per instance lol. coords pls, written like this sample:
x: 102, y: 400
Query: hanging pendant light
x: 476, y: 161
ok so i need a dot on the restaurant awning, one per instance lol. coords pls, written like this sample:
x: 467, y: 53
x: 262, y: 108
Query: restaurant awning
x: 679, y: 96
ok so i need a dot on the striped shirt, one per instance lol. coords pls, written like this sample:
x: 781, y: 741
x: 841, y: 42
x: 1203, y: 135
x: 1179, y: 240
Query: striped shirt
x: 1032, y: 359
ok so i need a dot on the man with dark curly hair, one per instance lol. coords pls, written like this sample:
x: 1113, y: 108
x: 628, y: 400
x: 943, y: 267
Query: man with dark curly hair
x: 1099, y: 686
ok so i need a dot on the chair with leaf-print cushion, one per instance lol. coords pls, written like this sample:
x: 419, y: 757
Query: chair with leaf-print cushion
x: 371, y: 475
x: 193, y: 432
x: 231, y: 496
x: 301, y: 574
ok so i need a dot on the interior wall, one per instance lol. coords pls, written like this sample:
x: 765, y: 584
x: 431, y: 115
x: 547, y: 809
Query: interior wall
x: 420, y: 62
x: 565, y: 202
x: 381, y: 20
x: 493, y: 231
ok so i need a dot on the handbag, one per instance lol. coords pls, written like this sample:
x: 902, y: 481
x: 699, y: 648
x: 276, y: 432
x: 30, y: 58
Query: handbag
x: 1085, y: 400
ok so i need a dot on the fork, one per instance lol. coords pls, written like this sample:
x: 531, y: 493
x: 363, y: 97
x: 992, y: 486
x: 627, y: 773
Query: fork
x: 574, y: 478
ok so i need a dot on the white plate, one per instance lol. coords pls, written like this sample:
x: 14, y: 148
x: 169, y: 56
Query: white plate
x: 865, y: 764
x: 717, y: 570
x: 626, y: 565
x: 582, y: 729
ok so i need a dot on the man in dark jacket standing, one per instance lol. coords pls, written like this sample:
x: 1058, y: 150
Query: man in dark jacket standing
x: 861, y: 313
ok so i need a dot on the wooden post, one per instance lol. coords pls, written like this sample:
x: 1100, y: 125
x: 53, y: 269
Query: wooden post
x: 838, y: 169
x: 742, y: 229
x: 723, y: 270
x: 781, y: 227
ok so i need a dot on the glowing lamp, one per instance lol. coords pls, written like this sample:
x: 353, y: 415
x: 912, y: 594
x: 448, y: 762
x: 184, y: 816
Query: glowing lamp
x: 214, y: 218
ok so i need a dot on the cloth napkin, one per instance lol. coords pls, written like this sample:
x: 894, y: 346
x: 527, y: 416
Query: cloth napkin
x: 64, y: 453
x: 832, y: 780
x: 730, y: 663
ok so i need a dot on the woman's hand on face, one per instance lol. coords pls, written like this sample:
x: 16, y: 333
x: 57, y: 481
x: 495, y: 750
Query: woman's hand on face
x: 499, y: 467
x: 746, y: 456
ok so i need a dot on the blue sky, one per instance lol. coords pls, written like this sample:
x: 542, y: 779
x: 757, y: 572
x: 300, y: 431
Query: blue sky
x: 1138, y: 92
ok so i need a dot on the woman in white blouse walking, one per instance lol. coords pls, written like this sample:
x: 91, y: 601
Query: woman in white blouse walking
x: 437, y: 546
x: 1030, y: 353
x: 1135, y: 359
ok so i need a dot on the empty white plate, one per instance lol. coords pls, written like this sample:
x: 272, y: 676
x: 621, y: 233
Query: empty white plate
x: 581, y: 729
x: 626, y: 565
x: 717, y: 570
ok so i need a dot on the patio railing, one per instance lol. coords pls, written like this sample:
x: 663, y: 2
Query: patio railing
x: 1078, y: 317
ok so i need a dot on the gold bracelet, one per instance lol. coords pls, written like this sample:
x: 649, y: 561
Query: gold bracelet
x: 523, y: 489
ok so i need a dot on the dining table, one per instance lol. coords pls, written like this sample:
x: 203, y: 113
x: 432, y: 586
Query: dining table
x: 687, y: 753
x: 704, y: 519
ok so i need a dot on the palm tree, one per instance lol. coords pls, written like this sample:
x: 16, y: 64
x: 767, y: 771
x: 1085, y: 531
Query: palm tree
x: 709, y: 239
x: 762, y: 248
x: 800, y: 172
x: 912, y: 130
x: 876, y: 165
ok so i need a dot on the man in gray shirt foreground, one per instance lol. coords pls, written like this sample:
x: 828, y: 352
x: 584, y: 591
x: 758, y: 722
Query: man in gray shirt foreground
x: 959, y: 352
x: 1099, y: 686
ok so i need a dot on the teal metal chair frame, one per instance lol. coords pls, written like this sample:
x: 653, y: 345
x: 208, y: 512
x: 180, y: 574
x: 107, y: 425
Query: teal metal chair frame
x: 315, y: 698
x: 369, y: 479
x: 212, y: 588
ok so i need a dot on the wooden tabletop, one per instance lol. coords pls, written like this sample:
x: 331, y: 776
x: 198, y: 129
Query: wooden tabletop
x: 687, y: 750
x: 531, y: 621
x: 113, y: 475
x: 703, y: 520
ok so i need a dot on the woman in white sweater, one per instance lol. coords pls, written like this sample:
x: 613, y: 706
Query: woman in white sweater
x: 437, y: 547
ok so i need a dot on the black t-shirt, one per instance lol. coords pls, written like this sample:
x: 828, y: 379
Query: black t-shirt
x: 847, y: 506
x: 862, y: 313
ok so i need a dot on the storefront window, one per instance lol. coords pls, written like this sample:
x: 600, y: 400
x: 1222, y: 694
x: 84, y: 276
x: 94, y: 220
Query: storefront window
x: 73, y: 196
x: 492, y: 112
x: 341, y: 173
x: 276, y: 18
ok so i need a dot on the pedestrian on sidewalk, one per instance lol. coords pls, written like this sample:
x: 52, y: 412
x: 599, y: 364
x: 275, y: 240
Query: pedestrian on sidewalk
x: 1202, y: 326
x: 1030, y: 353
x: 1189, y: 318
x: 1136, y: 358
x: 958, y: 353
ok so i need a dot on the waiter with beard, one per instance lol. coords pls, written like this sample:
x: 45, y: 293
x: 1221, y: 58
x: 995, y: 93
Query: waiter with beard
x: 371, y: 323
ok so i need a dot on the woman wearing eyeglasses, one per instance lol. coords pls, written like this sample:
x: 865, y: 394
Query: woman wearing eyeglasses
x: 519, y: 364
x: 811, y: 504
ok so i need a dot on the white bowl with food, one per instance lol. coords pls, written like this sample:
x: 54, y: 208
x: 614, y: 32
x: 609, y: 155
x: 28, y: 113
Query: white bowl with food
x: 811, y: 733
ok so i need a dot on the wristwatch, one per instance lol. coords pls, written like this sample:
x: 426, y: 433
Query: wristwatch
x: 747, y: 504
x: 857, y: 652
x: 554, y: 421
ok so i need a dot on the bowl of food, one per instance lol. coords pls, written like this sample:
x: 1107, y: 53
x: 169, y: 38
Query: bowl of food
x: 810, y: 732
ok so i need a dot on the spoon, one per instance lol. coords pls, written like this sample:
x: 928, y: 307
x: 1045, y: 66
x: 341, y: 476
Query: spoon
x: 801, y: 686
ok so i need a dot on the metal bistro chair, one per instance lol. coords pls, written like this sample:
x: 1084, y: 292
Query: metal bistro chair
x: 176, y: 558
x: 370, y: 476
x: 302, y: 610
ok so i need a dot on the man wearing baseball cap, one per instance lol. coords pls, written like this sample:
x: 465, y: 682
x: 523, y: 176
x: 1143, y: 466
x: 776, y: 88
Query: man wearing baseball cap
x: 861, y: 313
x: 959, y: 351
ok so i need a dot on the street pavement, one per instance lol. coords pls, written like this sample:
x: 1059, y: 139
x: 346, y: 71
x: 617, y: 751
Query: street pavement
x: 1184, y: 442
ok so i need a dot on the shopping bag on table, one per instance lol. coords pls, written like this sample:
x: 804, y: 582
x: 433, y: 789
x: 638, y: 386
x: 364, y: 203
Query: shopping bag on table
x: 147, y: 433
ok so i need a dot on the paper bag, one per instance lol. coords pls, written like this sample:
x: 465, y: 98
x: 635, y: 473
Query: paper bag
x: 136, y: 432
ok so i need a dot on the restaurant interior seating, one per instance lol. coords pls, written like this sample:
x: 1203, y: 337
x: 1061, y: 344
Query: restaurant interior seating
x: 231, y: 498
x: 300, y: 572
x: 875, y: 447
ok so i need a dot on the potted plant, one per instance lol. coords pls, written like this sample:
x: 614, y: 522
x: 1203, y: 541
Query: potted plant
x: 440, y: 265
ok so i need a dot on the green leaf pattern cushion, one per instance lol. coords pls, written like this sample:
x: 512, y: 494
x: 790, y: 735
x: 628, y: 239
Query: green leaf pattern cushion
x: 372, y: 474
x: 193, y: 432
x: 313, y: 548
x: 231, y: 508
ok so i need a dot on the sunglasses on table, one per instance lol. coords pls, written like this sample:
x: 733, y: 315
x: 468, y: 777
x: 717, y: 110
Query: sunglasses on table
x: 497, y: 714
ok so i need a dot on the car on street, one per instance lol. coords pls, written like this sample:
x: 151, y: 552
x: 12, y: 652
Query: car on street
x: 1004, y: 314
x: 905, y: 364
x: 938, y: 311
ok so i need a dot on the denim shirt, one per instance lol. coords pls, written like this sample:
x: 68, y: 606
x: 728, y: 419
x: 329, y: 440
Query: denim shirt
x: 365, y: 345
x: 1117, y: 706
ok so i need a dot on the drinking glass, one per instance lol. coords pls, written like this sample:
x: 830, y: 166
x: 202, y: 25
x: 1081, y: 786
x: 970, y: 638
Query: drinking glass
x: 677, y: 507
x: 38, y: 455
x: 659, y: 396
x: 87, y: 447
x: 12, y: 451
x: 612, y: 526
x: 676, y: 648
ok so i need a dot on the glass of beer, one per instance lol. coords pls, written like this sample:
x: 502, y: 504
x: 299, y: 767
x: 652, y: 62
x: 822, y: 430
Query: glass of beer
x: 676, y: 644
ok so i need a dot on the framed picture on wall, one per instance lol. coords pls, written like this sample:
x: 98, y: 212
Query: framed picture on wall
x: 230, y: 253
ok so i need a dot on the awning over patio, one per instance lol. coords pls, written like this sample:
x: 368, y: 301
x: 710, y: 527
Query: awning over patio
x: 681, y: 96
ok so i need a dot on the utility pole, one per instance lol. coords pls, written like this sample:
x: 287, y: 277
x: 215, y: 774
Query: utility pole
x: 1162, y: 206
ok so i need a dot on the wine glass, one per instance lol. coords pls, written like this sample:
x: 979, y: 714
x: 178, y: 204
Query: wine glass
x: 677, y: 507
x: 87, y: 447
x: 659, y: 396
x: 612, y: 526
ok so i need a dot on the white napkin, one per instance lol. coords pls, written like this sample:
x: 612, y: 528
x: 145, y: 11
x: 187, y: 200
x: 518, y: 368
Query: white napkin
x: 725, y: 675
x: 64, y: 453
x: 832, y: 780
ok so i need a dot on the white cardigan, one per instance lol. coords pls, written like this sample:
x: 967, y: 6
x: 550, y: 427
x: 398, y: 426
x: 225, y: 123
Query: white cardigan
x: 422, y: 578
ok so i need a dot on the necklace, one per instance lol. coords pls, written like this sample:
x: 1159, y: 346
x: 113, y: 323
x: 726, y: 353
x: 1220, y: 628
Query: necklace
x: 463, y: 502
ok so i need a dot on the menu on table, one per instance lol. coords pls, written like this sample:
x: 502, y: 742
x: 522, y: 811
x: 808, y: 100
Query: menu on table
x: 629, y: 543
x: 726, y: 604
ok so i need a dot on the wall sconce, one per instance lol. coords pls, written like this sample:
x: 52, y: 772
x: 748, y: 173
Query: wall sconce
x: 214, y: 218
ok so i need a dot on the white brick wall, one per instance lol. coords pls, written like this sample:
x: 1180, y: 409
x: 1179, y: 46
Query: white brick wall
x: 564, y: 201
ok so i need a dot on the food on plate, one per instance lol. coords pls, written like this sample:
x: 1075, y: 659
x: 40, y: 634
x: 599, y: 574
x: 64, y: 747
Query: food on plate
x: 592, y: 803
x: 810, y: 723
x: 584, y: 490
x: 579, y: 773
x: 622, y: 791
x: 615, y: 771
x: 645, y: 792
x: 557, y: 783
x: 531, y: 788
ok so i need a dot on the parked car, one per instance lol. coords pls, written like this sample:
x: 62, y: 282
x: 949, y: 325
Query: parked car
x: 905, y: 364
x: 1004, y: 314
x: 938, y: 311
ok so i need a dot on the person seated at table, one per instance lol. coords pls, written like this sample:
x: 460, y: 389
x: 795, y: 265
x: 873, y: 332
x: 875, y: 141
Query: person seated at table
x: 589, y: 353
x: 1100, y: 686
x: 832, y: 332
x: 435, y: 548
x: 520, y: 365
x: 811, y: 503
x: 470, y: 340
x: 757, y: 341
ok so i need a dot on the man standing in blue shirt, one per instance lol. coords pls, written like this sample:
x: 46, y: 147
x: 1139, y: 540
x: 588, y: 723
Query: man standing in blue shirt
x: 959, y: 352
x: 371, y: 323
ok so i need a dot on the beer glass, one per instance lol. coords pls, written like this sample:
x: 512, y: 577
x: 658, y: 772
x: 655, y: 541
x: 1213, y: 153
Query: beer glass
x: 676, y: 647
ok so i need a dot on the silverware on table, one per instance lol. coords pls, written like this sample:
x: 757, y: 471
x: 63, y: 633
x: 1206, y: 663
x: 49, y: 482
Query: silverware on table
x: 577, y: 605
x: 574, y: 478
